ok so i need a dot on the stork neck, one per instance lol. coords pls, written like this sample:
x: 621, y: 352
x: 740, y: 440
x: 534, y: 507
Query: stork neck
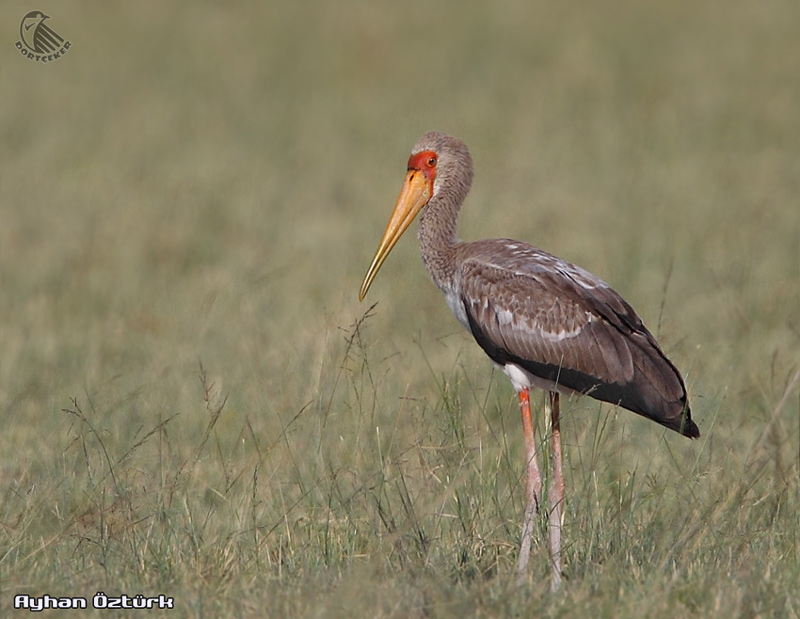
x: 437, y: 240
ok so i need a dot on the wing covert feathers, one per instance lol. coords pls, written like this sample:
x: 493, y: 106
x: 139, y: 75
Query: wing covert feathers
x: 563, y: 324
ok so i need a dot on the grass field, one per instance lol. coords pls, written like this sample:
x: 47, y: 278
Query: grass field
x: 194, y: 403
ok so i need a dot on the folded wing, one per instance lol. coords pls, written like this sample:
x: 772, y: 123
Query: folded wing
x: 562, y: 324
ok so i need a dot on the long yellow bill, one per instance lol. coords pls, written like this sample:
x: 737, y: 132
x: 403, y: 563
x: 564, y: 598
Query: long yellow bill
x: 413, y: 196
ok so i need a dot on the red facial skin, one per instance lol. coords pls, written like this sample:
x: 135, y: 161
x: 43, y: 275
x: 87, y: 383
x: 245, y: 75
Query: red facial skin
x: 424, y: 162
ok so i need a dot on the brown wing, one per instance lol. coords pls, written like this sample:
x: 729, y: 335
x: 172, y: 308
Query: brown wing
x: 563, y: 324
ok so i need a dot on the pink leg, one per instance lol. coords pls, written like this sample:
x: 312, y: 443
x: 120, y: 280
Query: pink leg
x: 533, y: 485
x: 556, y: 493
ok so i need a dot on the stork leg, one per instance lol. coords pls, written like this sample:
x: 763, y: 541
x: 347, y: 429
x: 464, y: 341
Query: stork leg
x: 555, y: 492
x: 533, y: 485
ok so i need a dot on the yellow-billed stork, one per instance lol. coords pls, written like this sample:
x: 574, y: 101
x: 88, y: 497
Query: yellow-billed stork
x: 547, y: 323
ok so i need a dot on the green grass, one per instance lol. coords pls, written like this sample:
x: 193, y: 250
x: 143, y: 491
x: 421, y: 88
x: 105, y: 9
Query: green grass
x: 194, y: 402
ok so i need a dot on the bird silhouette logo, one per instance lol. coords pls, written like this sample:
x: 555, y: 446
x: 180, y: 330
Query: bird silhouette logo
x: 38, y: 41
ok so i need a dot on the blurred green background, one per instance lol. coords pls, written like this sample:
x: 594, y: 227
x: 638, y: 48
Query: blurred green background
x: 189, y: 200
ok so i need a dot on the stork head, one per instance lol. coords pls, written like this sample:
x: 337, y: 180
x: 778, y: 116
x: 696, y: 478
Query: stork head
x: 439, y: 165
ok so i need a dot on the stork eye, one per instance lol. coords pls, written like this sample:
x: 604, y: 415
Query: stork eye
x: 431, y: 162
